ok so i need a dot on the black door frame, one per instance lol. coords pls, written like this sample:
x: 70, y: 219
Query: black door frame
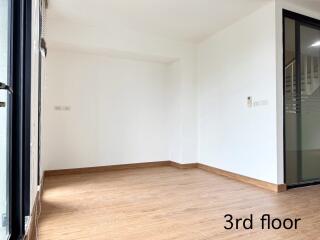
x: 20, y: 12
x: 307, y: 21
x: 27, y: 105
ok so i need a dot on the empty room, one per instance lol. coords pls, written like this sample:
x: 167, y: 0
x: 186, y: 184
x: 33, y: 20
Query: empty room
x: 159, y: 119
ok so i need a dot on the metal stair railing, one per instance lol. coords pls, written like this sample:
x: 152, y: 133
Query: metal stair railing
x: 310, y: 83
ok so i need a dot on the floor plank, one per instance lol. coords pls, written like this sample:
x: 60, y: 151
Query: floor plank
x: 165, y: 203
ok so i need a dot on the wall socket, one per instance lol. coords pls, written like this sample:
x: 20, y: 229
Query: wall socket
x: 62, y: 108
x: 251, y: 103
x: 260, y: 103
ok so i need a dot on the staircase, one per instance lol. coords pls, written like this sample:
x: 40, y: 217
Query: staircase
x: 310, y: 85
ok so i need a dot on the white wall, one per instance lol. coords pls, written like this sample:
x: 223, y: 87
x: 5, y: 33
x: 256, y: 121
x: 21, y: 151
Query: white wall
x: 238, y: 62
x: 118, y: 110
x: 126, y: 43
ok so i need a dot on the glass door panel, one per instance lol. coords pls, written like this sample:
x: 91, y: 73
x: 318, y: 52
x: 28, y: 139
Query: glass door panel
x: 4, y: 121
x: 302, y: 99
x: 310, y: 103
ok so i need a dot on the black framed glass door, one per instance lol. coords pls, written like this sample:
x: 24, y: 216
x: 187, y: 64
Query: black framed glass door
x: 302, y: 99
x: 15, y: 83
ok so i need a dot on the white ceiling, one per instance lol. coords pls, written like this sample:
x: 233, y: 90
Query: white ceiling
x: 313, y: 5
x: 190, y: 20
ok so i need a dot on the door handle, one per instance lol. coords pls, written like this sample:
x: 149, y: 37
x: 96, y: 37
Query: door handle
x: 2, y: 104
x: 6, y: 87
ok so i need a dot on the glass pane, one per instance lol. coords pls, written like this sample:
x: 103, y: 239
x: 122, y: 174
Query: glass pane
x: 4, y: 157
x: 310, y: 103
x: 291, y: 106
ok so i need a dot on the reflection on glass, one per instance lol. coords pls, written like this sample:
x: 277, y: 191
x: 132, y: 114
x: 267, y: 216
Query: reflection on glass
x: 310, y: 103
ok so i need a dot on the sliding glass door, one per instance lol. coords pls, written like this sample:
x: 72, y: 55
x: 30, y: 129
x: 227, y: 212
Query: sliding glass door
x: 310, y: 102
x: 302, y: 99
x: 5, y: 117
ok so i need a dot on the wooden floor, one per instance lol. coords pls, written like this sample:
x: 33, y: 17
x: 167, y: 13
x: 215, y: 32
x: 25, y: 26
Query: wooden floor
x: 168, y: 203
